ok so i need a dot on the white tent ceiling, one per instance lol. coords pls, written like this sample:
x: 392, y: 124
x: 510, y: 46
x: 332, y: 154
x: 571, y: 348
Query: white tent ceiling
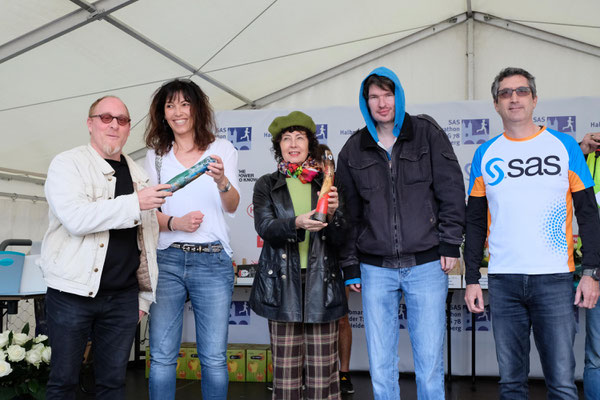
x: 58, y: 56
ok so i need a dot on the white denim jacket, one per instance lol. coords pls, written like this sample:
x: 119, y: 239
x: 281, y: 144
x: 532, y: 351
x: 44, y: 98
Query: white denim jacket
x: 80, y: 190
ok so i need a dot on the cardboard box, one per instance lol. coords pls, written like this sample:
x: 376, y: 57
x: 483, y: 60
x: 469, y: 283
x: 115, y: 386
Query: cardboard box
x: 269, y: 365
x: 236, y: 362
x: 147, y: 362
x: 181, y: 369
x: 245, y: 274
x: 256, y: 362
x: 455, y: 281
x: 193, y: 365
x: 458, y: 268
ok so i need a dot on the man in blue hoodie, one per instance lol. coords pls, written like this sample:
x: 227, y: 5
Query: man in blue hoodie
x: 405, y: 196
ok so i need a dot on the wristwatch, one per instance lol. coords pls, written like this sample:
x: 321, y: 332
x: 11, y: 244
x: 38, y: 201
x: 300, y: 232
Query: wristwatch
x: 594, y: 273
x: 226, y: 188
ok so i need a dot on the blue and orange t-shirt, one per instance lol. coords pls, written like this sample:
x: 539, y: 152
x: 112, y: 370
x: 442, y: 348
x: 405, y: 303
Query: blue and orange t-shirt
x: 528, y: 185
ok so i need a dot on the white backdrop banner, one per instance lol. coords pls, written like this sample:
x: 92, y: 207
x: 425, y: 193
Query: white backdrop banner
x: 467, y: 124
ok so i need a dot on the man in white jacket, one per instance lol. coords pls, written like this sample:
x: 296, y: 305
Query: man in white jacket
x: 99, y: 253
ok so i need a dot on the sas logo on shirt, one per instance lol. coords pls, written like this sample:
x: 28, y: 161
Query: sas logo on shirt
x: 497, y: 169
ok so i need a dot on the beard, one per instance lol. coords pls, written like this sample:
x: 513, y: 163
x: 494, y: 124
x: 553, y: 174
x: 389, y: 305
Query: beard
x: 111, y: 150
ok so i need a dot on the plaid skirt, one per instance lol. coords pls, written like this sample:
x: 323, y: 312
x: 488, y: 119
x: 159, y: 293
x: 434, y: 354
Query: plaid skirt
x: 296, y: 344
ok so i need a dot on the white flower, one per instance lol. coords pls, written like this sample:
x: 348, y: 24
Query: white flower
x: 40, y: 338
x: 5, y: 368
x: 20, y: 339
x: 2, y: 355
x: 15, y: 353
x: 4, y: 339
x: 46, y: 354
x: 38, y: 347
x: 34, y: 357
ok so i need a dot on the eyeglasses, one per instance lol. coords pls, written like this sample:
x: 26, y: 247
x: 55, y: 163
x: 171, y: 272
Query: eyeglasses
x: 107, y: 119
x: 521, y: 92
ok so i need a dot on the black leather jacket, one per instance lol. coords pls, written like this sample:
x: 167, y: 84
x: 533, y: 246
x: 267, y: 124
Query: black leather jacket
x: 277, y: 289
x: 413, y: 204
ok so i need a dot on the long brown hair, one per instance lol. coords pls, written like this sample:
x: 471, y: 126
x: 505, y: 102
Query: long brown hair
x: 159, y: 135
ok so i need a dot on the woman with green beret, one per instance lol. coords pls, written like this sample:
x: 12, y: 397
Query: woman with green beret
x: 298, y: 286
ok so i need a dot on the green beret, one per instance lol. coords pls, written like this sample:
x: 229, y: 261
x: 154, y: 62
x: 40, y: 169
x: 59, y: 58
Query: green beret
x: 295, y: 118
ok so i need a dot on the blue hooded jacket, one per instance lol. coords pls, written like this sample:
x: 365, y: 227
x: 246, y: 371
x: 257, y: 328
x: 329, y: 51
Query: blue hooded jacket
x: 399, y: 100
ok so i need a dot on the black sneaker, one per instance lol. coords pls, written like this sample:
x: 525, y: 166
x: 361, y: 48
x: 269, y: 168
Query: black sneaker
x: 346, y: 386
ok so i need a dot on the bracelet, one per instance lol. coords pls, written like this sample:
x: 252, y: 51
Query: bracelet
x: 226, y: 189
x: 169, y: 222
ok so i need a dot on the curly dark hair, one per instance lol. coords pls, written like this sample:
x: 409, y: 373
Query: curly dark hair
x: 313, y: 143
x: 159, y: 135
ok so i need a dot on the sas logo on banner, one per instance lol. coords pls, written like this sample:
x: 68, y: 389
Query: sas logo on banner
x: 497, y: 169
x: 475, y: 131
x: 565, y: 124
x: 453, y: 131
x: 403, y: 316
x: 467, y: 169
x: 259, y: 241
x: 239, y: 313
x: 483, y: 321
x: 322, y: 133
x: 250, y: 210
x: 240, y: 137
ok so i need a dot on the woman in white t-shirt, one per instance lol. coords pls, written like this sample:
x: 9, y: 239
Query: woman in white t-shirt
x: 194, y: 255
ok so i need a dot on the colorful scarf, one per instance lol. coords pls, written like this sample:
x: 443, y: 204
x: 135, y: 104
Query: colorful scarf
x: 305, y: 171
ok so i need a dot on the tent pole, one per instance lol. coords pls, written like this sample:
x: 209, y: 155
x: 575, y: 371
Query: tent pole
x: 59, y: 27
x: 358, y: 61
x: 537, y: 34
x: 470, y: 59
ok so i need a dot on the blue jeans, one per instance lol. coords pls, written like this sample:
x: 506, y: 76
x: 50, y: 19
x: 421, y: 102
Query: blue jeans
x: 591, y: 372
x: 545, y: 302
x: 208, y: 278
x: 110, y: 321
x: 425, y: 288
